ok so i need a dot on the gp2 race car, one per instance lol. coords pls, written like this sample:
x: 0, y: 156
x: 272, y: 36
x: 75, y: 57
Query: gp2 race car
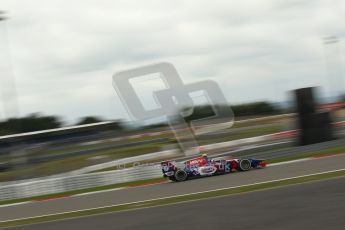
x: 204, y: 166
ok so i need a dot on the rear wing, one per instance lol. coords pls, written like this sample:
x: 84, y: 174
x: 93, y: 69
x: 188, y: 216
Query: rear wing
x: 168, y: 166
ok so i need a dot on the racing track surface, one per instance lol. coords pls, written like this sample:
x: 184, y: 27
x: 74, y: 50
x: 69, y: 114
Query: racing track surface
x: 316, y: 205
x: 170, y: 189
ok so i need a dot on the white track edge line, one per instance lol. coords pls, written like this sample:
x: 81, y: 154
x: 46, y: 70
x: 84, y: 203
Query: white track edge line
x: 15, y: 204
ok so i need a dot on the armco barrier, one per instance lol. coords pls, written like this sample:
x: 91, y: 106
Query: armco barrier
x: 65, y: 184
x: 116, y: 163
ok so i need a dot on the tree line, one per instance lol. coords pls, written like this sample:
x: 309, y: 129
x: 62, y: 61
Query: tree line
x: 36, y: 122
x: 242, y: 110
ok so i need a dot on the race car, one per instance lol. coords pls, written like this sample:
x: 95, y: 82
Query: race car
x: 205, y: 166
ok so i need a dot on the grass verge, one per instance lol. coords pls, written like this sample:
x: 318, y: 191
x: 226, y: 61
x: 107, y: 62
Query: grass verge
x: 176, y: 199
x: 320, y: 153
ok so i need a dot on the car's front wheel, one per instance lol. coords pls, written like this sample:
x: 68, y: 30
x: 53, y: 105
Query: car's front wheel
x: 244, y: 164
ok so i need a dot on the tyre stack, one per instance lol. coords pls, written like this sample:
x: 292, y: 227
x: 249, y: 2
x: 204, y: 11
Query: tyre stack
x: 315, y: 126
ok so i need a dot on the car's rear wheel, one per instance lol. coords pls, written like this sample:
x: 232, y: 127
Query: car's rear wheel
x: 180, y: 175
x: 244, y: 165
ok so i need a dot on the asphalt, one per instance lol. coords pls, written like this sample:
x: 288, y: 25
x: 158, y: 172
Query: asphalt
x: 115, y: 197
x: 317, y: 205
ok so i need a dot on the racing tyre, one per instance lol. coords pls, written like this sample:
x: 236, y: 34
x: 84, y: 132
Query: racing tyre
x: 244, y: 165
x: 180, y: 175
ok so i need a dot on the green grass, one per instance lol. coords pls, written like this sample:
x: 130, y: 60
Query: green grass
x: 329, y: 151
x: 258, y: 131
x: 177, y: 199
x: 95, y: 147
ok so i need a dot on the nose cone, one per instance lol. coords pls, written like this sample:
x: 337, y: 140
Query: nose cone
x: 263, y: 164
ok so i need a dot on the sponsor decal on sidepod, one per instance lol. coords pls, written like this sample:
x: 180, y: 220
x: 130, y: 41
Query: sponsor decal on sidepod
x: 207, y: 170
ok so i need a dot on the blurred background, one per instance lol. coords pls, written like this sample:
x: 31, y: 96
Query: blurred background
x: 60, y: 114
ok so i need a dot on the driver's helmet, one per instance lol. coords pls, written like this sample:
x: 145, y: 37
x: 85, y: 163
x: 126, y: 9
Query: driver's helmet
x: 204, y: 155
